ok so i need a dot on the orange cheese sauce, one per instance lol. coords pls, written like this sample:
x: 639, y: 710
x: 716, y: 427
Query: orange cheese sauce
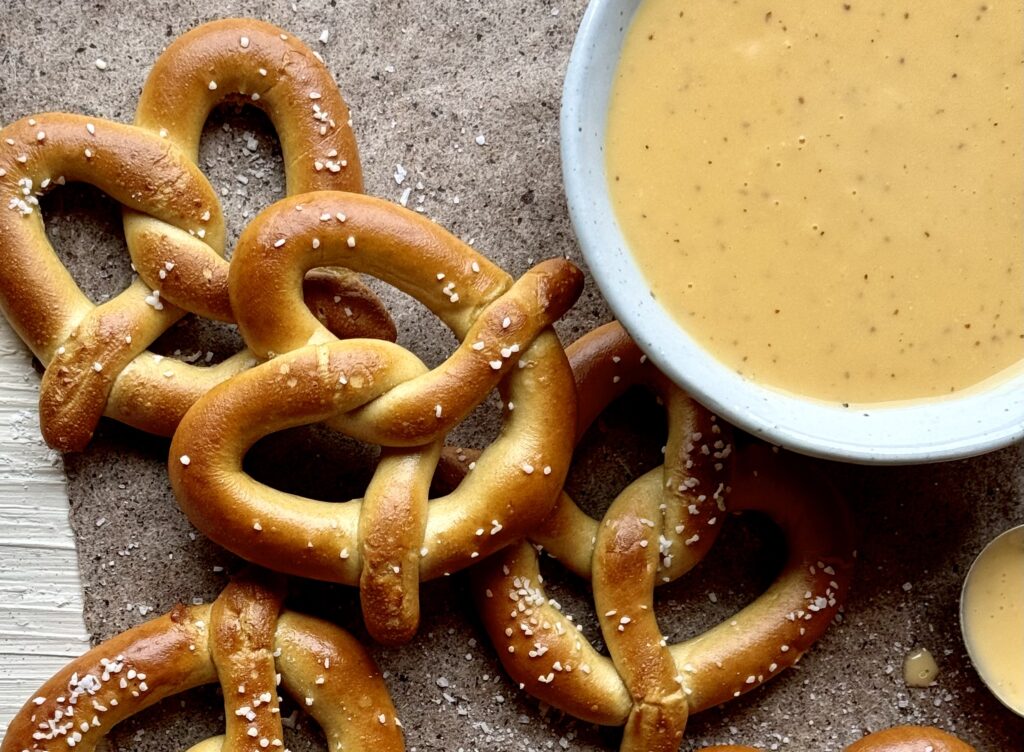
x: 827, y: 195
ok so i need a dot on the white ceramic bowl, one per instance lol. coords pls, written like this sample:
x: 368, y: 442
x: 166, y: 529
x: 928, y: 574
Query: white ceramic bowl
x: 973, y: 422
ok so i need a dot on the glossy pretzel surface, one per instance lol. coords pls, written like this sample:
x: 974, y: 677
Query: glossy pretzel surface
x: 392, y: 538
x: 95, y: 356
x: 243, y: 641
x: 255, y: 63
x: 645, y: 685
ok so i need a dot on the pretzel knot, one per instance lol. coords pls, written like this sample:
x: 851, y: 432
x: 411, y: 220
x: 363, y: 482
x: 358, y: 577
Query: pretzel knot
x: 95, y: 355
x: 897, y: 739
x: 378, y: 392
x: 656, y: 529
x: 245, y: 642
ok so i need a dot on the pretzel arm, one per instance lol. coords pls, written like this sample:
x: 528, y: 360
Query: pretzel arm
x: 568, y: 534
x: 694, y: 481
x: 44, y: 314
x: 773, y: 632
x: 539, y: 646
x: 567, y: 524
x: 134, y: 401
x: 333, y: 678
x: 115, y: 680
x: 625, y: 569
x: 265, y: 67
x: 78, y: 381
x: 605, y: 363
x: 243, y: 620
x: 392, y: 525
x: 517, y: 478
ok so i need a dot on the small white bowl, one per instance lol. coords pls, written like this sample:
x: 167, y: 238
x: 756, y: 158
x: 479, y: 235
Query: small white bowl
x: 978, y: 626
x: 972, y: 422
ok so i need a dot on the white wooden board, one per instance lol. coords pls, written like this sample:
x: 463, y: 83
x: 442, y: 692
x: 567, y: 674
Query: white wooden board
x: 41, y: 624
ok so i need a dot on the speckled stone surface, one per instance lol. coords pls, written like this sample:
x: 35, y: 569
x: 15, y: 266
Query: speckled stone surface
x: 425, y: 79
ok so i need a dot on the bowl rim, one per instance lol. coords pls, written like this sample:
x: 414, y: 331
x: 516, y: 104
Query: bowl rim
x: 971, y: 422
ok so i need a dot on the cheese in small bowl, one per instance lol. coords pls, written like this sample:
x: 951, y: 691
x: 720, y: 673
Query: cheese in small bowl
x: 992, y: 617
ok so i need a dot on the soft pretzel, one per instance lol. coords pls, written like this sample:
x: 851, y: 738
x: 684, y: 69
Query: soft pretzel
x: 390, y: 540
x: 648, y: 686
x: 259, y: 64
x: 245, y: 642
x: 95, y: 355
x: 897, y: 739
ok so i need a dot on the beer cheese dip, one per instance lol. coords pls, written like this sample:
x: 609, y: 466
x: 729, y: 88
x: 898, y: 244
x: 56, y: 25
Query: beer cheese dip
x: 827, y: 195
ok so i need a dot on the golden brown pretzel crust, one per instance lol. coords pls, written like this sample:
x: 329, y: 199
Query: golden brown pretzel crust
x: 897, y: 739
x: 259, y: 64
x: 89, y: 350
x: 240, y: 641
x: 94, y: 355
x: 646, y: 686
x: 390, y: 540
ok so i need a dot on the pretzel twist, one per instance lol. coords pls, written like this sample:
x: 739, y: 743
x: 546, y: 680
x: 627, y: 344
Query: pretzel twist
x: 390, y: 540
x: 95, y: 355
x: 647, y: 686
x: 896, y: 739
x: 241, y: 641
